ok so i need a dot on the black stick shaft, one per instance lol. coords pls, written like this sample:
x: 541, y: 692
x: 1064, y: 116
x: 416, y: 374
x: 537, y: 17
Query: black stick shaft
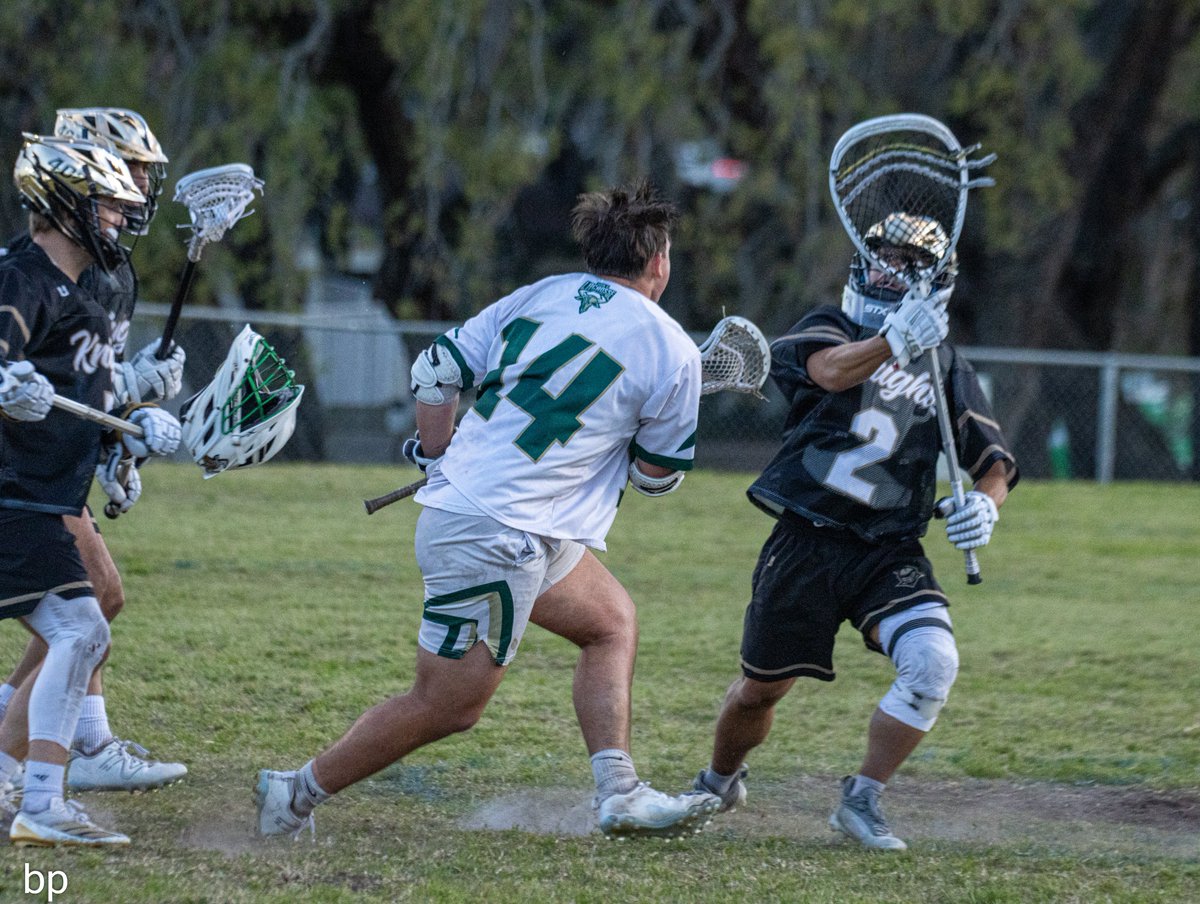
x: 185, y: 286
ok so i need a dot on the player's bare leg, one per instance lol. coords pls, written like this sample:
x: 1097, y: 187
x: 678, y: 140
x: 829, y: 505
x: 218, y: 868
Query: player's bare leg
x: 447, y: 696
x: 590, y: 608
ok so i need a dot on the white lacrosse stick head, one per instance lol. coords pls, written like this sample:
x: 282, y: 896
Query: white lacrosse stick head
x: 735, y: 356
x: 216, y: 198
x: 247, y: 413
x: 900, y: 183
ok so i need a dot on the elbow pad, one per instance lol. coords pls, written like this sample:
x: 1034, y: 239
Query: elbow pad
x: 433, y: 369
x: 653, y: 486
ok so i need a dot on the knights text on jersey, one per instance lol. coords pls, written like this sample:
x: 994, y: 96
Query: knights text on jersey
x: 573, y: 375
x: 865, y: 459
x: 47, y: 465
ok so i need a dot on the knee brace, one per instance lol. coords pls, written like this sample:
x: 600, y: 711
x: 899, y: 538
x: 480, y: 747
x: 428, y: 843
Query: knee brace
x: 926, y: 661
x: 77, y: 635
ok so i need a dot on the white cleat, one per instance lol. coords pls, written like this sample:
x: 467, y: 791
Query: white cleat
x: 644, y: 812
x: 120, y: 766
x: 859, y: 816
x: 63, y: 823
x: 273, y: 798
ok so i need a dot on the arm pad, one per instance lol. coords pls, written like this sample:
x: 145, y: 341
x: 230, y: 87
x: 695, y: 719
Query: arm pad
x: 433, y: 369
x: 653, y: 486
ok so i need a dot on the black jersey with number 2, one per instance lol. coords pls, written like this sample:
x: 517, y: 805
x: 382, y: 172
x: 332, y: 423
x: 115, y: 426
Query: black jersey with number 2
x: 865, y: 459
x: 47, y: 465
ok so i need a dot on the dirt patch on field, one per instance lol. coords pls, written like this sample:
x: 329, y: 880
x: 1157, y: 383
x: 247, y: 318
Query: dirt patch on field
x: 1074, y: 819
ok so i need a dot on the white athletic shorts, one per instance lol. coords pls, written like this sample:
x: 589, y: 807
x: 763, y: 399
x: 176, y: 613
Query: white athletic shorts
x: 481, y: 580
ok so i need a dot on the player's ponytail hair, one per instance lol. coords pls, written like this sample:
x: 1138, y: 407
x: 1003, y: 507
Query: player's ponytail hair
x: 621, y: 229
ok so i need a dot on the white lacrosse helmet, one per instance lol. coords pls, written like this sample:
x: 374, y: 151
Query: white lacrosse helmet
x: 247, y: 413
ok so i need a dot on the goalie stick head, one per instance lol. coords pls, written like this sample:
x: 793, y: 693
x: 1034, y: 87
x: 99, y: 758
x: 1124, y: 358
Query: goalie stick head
x: 247, y: 413
x: 899, y: 184
x: 735, y: 356
x: 129, y: 137
x: 65, y: 181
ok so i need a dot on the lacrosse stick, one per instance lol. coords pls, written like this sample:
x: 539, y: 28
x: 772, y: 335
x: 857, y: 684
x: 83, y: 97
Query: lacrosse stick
x: 890, y: 177
x: 216, y: 198
x: 734, y: 357
x: 80, y: 410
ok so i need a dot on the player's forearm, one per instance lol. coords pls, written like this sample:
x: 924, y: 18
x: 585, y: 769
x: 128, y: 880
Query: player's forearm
x: 995, y: 483
x: 840, y: 367
x: 435, y: 423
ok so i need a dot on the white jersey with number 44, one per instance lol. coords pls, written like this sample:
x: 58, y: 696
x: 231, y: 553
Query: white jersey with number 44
x: 573, y: 374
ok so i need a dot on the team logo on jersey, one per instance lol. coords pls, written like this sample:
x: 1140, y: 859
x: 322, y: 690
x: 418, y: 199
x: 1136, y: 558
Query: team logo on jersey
x: 592, y: 294
x: 92, y: 352
x: 908, y: 576
x: 894, y: 383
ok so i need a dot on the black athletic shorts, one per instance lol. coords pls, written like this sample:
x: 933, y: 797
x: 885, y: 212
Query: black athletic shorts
x: 809, y: 580
x: 38, y: 555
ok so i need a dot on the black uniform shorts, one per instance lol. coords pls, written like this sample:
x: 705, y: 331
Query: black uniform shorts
x: 38, y: 555
x: 809, y: 580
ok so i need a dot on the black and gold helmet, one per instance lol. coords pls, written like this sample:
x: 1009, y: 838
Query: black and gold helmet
x: 65, y: 181
x: 127, y: 134
x: 912, y: 245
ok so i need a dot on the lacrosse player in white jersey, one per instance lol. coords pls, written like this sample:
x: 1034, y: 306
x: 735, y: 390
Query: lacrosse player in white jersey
x: 584, y: 385
x: 99, y: 760
x: 853, y: 489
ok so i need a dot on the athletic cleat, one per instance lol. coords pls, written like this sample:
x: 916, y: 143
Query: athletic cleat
x: 644, y: 812
x: 859, y: 816
x: 273, y: 797
x: 733, y: 797
x: 10, y: 806
x: 120, y: 766
x: 62, y: 823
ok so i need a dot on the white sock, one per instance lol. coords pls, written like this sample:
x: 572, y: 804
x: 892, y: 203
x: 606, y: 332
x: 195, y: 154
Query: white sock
x: 6, y: 694
x: 861, y: 781
x: 92, y: 731
x: 614, y: 772
x: 43, y: 783
x: 8, y: 767
x: 306, y: 793
x: 718, y: 783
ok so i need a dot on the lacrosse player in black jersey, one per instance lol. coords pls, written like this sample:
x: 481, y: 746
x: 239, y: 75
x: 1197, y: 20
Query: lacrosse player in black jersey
x: 100, y: 761
x: 853, y: 490
x: 55, y: 338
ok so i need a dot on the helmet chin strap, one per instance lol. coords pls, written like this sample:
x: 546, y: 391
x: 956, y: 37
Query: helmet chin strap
x: 868, y: 312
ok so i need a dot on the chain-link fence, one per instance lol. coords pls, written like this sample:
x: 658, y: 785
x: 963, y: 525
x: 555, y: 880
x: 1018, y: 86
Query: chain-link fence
x: 1066, y: 414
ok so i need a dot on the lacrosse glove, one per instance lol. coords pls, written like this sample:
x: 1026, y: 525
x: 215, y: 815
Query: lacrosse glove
x: 970, y: 526
x: 122, y: 486
x: 162, y: 432
x: 413, y: 452
x: 145, y: 377
x: 916, y: 325
x: 27, y: 395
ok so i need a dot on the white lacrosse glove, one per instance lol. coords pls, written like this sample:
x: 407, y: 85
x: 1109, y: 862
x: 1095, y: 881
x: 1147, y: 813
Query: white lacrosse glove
x: 413, y: 452
x: 916, y: 325
x: 122, y: 486
x: 145, y: 377
x: 162, y: 433
x: 27, y: 395
x: 971, y: 526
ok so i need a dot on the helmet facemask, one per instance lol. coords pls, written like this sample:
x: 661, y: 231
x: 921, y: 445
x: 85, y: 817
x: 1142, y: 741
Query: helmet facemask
x: 906, y: 250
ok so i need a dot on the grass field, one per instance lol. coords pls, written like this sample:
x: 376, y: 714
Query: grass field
x: 266, y: 611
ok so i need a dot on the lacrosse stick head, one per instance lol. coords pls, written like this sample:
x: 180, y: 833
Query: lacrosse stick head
x: 735, y: 356
x: 129, y: 137
x: 66, y: 181
x: 247, y: 413
x: 900, y: 185
x: 216, y: 198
